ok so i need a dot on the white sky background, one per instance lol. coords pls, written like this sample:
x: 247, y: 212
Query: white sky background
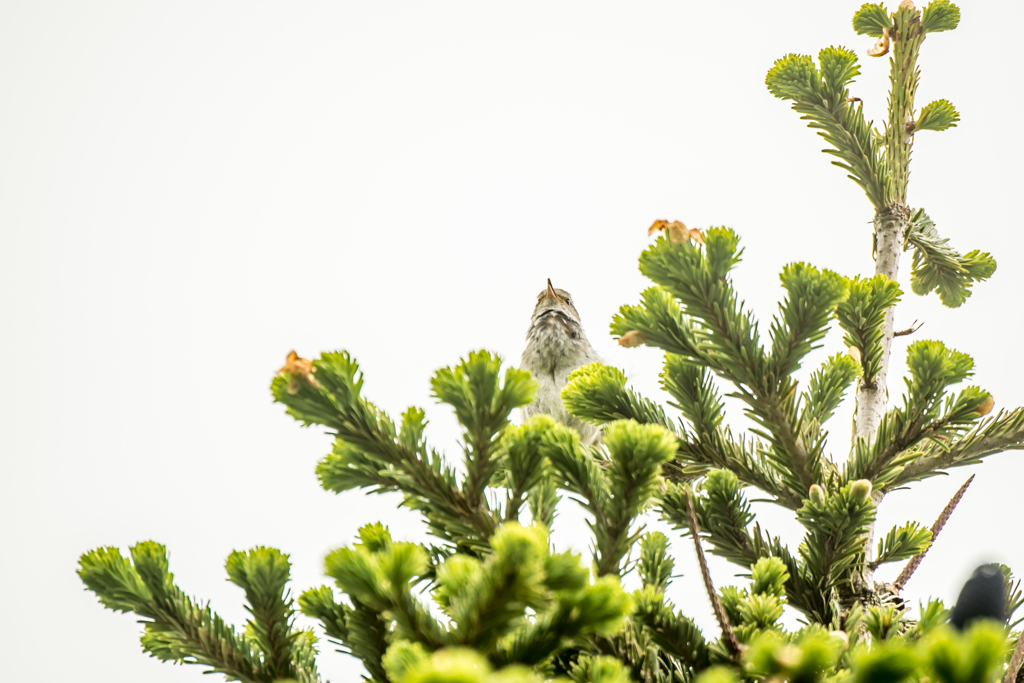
x: 189, y: 190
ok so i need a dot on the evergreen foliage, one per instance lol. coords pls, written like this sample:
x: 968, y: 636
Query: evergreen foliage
x: 493, y: 602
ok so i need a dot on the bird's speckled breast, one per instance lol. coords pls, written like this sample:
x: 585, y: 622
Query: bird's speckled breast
x: 555, y: 343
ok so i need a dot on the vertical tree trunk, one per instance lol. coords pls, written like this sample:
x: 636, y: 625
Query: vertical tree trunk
x: 890, y: 228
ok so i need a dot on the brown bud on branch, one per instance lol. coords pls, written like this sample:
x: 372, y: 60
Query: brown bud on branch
x: 296, y: 368
x: 632, y: 338
x: 986, y: 406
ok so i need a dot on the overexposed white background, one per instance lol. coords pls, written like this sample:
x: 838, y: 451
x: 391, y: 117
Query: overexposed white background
x: 189, y: 190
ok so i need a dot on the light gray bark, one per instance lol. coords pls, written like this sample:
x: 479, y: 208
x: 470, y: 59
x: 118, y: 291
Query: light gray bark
x: 871, y: 399
x: 890, y: 227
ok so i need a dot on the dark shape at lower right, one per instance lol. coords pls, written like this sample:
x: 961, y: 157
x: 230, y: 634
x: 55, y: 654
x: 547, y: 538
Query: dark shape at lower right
x: 982, y: 597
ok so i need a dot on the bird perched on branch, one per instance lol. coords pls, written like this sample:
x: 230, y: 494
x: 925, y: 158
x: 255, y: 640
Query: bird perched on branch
x: 555, y: 346
x: 982, y: 597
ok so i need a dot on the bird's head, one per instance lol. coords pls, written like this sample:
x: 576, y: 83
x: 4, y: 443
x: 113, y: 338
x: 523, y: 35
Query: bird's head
x: 555, y: 303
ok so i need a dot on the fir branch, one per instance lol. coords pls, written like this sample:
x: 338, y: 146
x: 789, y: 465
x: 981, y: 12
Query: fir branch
x: 938, y: 267
x: 723, y: 515
x: 696, y: 396
x: 182, y: 631
x: 523, y: 468
x: 357, y: 631
x: 597, y: 609
x: 746, y: 458
x: 837, y: 526
x: 940, y: 522
x: 728, y: 636
x: 543, y: 501
x: 380, y: 579
x: 718, y: 333
x: 823, y: 100
x: 482, y: 406
x: 263, y: 574
x: 655, y: 564
x: 371, y: 453
x: 698, y: 278
x: 908, y: 35
x: 940, y: 15
x: 723, y: 511
x: 497, y: 590
x: 938, y: 116
x: 597, y: 393
x: 584, y: 477
x: 827, y: 387
x: 659, y: 323
x: 797, y: 463
x: 861, y: 315
x: 768, y: 576
x: 994, y: 435
x: 177, y: 629
x: 802, y: 590
x: 871, y: 20
x: 319, y: 604
x: 1013, y: 597
x: 692, y: 385
x: 599, y: 669
x: 902, y: 542
x: 923, y: 417
x: 677, y: 635
x: 616, y: 494
x: 804, y: 315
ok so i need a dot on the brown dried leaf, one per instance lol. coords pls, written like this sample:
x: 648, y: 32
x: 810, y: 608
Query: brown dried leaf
x: 882, y: 46
x: 657, y: 226
x: 676, y: 231
x: 632, y: 338
x: 986, y: 406
x: 854, y: 353
x: 296, y: 368
x: 696, y: 235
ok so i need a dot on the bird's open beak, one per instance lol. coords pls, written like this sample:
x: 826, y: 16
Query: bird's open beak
x: 551, y: 292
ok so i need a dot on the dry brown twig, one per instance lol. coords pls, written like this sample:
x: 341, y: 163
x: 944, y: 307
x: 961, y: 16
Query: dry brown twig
x: 910, y: 330
x: 1018, y: 654
x: 912, y: 565
x: 728, y: 635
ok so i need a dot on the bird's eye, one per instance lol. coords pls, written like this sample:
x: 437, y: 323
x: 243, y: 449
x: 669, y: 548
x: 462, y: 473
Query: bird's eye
x: 568, y: 301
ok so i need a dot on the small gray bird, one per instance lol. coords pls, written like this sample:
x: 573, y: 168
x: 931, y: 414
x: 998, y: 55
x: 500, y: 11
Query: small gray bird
x: 555, y: 346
